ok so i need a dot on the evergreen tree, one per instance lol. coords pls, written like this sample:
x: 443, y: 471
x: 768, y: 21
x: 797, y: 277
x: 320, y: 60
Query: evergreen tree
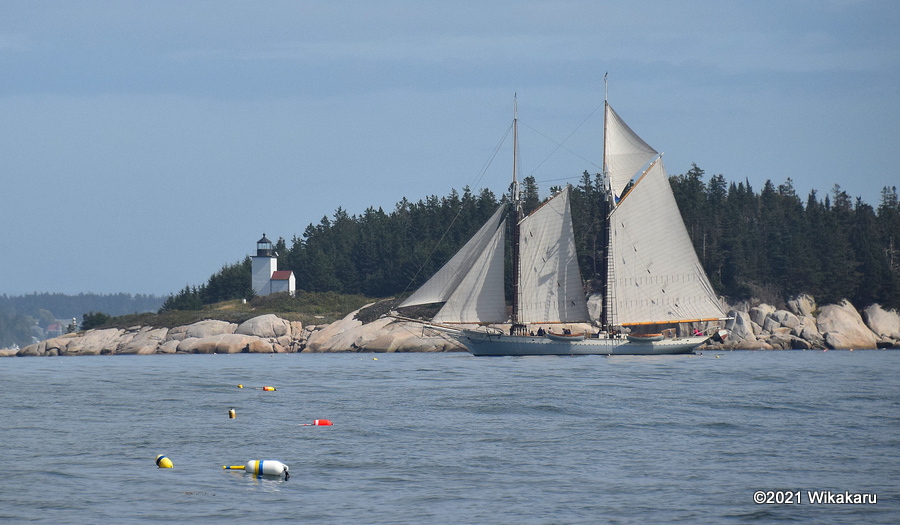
x: 873, y: 271
x: 530, y: 197
x: 231, y: 282
x: 93, y: 320
x: 588, y: 217
x: 711, y: 250
x: 888, y: 223
x: 690, y: 190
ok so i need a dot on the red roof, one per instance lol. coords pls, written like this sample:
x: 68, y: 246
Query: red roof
x: 282, y: 275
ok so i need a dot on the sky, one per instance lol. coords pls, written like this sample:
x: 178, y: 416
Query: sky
x: 144, y: 145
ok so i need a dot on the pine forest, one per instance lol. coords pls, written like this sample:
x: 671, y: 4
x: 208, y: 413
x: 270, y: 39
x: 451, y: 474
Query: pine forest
x: 767, y: 245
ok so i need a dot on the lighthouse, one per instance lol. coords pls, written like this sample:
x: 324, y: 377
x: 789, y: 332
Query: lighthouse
x: 266, y: 277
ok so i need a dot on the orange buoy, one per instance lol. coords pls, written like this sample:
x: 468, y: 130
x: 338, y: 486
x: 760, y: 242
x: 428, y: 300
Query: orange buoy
x: 269, y: 388
x: 318, y: 423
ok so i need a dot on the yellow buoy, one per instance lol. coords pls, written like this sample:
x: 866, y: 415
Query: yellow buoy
x: 231, y: 414
x: 163, y: 462
x: 269, y: 388
x: 240, y: 386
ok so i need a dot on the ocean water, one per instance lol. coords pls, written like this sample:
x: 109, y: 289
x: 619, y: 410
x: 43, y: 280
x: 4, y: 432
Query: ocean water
x: 451, y: 438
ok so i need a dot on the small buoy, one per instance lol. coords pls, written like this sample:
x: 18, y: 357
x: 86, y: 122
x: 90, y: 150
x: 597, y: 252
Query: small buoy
x: 163, y: 462
x: 374, y: 359
x: 266, y: 388
x: 231, y: 414
x: 262, y: 467
x: 318, y: 423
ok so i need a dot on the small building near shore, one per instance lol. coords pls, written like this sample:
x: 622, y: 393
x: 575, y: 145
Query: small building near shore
x: 267, y: 278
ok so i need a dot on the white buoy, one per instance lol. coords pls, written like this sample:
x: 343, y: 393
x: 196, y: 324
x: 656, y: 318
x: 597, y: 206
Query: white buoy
x: 262, y: 467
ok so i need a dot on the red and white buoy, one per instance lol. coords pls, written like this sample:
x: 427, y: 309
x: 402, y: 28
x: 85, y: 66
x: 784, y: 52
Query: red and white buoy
x: 318, y: 423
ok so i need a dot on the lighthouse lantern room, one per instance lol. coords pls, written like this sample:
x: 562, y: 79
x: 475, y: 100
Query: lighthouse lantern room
x: 264, y: 247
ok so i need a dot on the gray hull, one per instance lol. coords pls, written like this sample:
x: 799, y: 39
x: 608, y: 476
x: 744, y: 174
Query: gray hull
x: 484, y: 344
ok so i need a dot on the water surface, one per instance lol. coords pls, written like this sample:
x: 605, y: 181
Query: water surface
x: 450, y: 438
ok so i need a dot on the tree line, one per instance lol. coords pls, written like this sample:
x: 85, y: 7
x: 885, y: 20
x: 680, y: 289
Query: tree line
x: 774, y: 245
x: 769, y: 244
x: 24, y: 318
x: 232, y: 281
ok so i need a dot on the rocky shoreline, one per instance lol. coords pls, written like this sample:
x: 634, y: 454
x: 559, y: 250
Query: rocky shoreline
x: 801, y: 326
x: 265, y: 334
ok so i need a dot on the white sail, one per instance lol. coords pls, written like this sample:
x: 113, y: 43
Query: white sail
x: 626, y: 153
x: 656, y: 276
x: 550, y: 284
x: 479, y: 296
x: 469, y: 261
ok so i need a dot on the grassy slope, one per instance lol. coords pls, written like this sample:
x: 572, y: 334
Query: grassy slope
x: 308, y: 307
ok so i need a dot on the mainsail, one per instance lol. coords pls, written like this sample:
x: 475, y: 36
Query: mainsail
x: 656, y: 276
x: 550, y: 284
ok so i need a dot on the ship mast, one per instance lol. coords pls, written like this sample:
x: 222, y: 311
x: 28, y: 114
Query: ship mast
x: 606, y: 317
x: 516, y: 200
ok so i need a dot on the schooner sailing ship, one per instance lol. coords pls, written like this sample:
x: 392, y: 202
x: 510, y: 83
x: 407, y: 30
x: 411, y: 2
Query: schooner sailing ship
x: 653, y: 275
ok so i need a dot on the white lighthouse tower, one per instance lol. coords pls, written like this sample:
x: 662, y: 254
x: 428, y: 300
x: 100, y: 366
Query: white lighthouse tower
x: 266, y: 277
x: 264, y: 264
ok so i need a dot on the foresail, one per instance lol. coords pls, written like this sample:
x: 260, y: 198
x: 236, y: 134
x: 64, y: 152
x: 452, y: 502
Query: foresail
x: 550, y: 282
x: 626, y: 153
x: 479, y: 296
x: 470, y: 259
x: 656, y: 275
